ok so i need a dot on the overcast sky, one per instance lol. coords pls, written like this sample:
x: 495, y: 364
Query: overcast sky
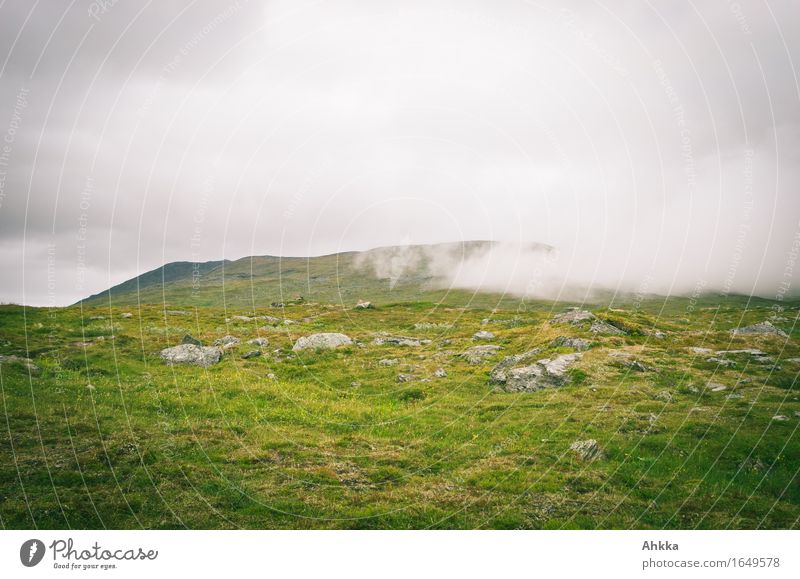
x: 655, y: 144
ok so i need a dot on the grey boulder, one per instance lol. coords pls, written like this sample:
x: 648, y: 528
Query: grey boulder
x: 227, y: 342
x: 545, y: 373
x: 764, y: 328
x: 191, y: 354
x: 587, y: 450
x: 324, y: 341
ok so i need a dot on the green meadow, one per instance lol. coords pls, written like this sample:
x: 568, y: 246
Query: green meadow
x: 98, y: 432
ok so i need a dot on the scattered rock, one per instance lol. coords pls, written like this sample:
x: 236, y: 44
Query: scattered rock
x: 477, y: 354
x: 187, y: 339
x: 271, y: 376
x: 587, y: 450
x: 362, y: 305
x: 26, y: 362
x: 227, y: 342
x: 748, y: 351
x: 545, y: 373
x: 388, y: 362
x: 573, y: 316
x: 601, y: 327
x: 355, y: 384
x: 432, y: 326
x: 251, y: 354
x: 258, y: 342
x: 126, y: 315
x: 725, y: 363
x: 95, y: 318
x: 384, y: 339
x: 270, y: 319
x: 403, y: 378
x: 440, y: 373
x: 764, y: 328
x: 240, y: 319
x: 664, y: 395
x: 499, y: 373
x: 619, y: 354
x: 716, y: 387
x: 753, y: 464
x: 780, y: 418
x: 176, y: 313
x: 697, y: 350
x: 191, y: 354
x: 575, y: 343
x: 483, y: 335
x: 659, y: 334
x: 636, y: 366
x: 323, y: 341
x: 733, y: 396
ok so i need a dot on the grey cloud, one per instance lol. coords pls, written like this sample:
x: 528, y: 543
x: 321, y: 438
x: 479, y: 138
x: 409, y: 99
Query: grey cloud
x: 653, y: 146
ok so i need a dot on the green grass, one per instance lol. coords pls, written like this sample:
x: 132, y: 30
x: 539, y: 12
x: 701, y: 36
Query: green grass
x: 106, y: 435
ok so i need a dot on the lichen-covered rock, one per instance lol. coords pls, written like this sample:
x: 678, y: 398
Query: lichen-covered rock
x: 574, y: 316
x: 440, y: 373
x: 483, y: 335
x: 251, y: 354
x: 764, y: 328
x: 323, y: 341
x: 575, y: 343
x: 383, y: 339
x: 126, y: 315
x: 258, y: 342
x: 636, y: 366
x: 545, y: 373
x: 499, y: 372
x: 227, y: 342
x: 587, y: 450
x: 362, y: 305
x: 388, y: 362
x: 25, y: 362
x: 601, y: 327
x: 716, y: 387
x: 477, y: 354
x: 191, y: 354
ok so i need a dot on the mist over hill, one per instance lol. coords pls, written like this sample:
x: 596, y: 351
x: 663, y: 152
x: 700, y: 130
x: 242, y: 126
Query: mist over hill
x: 468, y: 273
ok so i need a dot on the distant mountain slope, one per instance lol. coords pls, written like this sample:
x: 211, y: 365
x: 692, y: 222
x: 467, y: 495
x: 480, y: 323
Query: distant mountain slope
x: 382, y: 275
x: 175, y: 273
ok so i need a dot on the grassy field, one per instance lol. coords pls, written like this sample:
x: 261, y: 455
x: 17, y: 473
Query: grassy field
x: 100, y: 433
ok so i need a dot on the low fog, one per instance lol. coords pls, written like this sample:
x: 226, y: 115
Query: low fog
x: 654, y: 148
